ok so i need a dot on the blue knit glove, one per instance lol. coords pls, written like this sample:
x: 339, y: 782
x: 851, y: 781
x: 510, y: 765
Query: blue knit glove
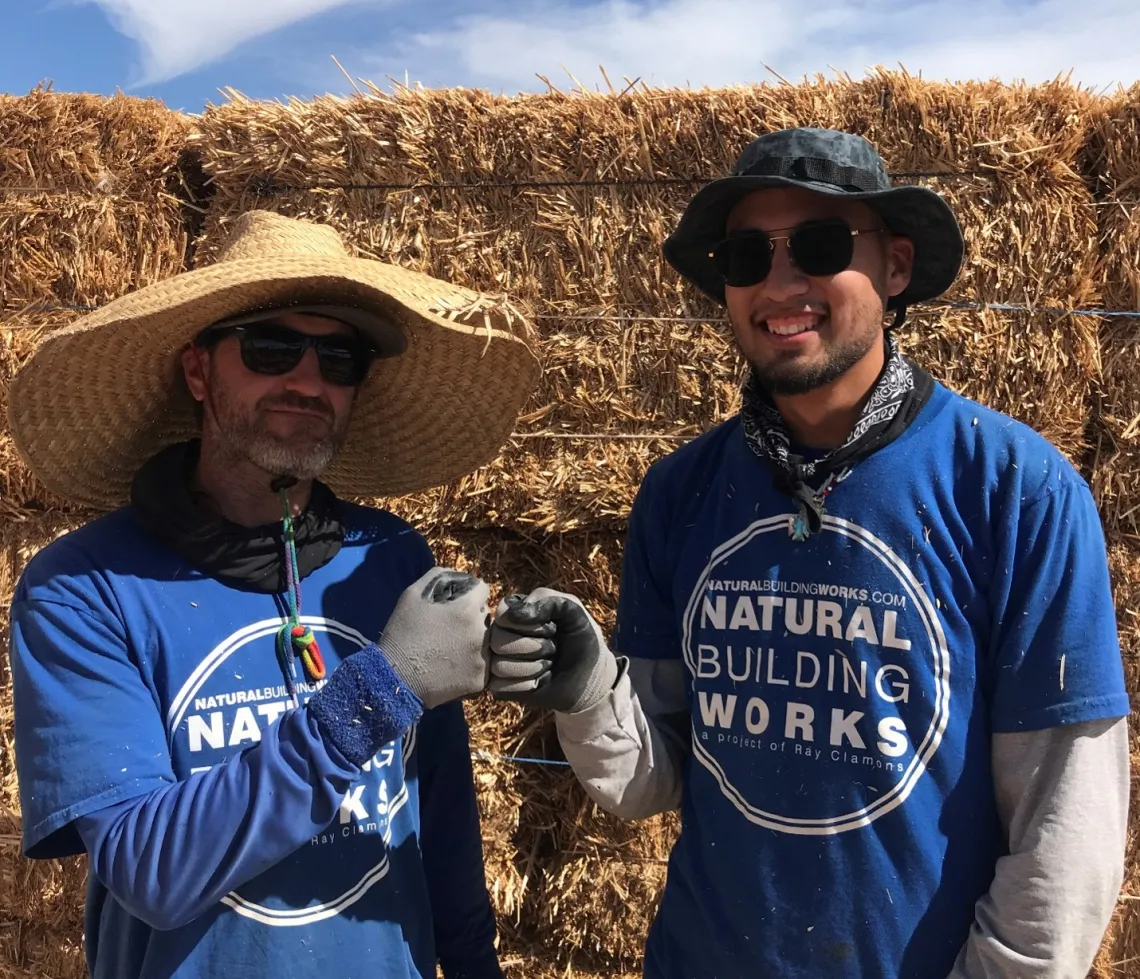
x: 433, y: 650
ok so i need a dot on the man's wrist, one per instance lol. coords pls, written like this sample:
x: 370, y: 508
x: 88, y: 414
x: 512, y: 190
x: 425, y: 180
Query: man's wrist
x: 365, y: 705
x: 599, y: 684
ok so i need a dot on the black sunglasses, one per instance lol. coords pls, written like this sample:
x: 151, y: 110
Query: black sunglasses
x: 816, y: 248
x: 269, y: 348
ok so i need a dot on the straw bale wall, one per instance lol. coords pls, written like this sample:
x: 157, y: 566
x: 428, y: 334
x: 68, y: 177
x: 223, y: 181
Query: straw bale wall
x: 93, y: 203
x: 593, y: 251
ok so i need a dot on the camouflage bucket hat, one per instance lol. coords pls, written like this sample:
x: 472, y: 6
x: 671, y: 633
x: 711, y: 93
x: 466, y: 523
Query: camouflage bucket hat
x: 827, y: 162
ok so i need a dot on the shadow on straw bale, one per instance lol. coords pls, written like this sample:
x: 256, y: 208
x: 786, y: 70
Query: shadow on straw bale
x: 571, y: 884
x: 1116, y: 468
x: 28, y: 949
x: 1113, y: 156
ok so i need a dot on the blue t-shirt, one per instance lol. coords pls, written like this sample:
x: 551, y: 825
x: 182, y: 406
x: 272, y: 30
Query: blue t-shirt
x: 838, y: 817
x: 132, y: 671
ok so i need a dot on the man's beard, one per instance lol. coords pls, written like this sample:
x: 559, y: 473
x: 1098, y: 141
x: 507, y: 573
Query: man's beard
x: 243, y: 436
x: 787, y: 376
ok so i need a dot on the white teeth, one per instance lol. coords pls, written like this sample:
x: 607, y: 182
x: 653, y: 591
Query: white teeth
x: 788, y: 329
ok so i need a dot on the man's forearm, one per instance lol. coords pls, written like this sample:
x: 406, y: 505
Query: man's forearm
x: 1063, y: 800
x: 169, y: 855
x: 628, y: 751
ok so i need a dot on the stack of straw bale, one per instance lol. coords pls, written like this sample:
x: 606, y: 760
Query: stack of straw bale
x: 635, y: 362
x: 582, y: 257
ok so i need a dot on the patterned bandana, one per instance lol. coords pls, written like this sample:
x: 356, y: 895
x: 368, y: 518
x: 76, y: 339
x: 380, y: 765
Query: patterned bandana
x: 903, y: 388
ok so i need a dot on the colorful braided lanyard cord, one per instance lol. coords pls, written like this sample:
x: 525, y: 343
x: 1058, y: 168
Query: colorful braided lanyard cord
x: 295, y: 639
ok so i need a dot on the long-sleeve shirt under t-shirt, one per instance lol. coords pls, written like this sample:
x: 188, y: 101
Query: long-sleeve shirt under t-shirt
x: 896, y: 745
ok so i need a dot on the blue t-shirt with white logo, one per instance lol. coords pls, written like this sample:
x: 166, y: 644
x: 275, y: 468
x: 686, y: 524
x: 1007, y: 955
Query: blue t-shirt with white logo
x: 838, y: 817
x: 133, y: 671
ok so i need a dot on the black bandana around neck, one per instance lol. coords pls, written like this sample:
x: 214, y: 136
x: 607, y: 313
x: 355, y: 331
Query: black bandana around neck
x: 251, y: 558
x: 900, y: 393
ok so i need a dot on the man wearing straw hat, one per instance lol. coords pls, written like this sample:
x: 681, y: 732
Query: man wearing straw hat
x: 237, y: 693
x: 867, y: 640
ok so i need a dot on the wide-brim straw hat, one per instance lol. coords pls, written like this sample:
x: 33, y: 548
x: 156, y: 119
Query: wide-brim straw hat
x: 103, y: 395
x: 835, y: 164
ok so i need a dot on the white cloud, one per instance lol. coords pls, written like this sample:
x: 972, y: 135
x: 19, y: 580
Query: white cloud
x: 504, y: 44
x: 725, y: 42
x: 177, y: 36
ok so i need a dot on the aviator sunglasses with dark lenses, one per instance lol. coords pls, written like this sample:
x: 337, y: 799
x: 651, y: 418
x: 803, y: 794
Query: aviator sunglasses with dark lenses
x: 815, y: 247
x: 268, y: 348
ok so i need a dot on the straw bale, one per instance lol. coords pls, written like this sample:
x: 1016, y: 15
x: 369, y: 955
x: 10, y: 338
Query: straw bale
x: 1114, y: 159
x: 92, y: 196
x: 543, y: 485
x: 93, y: 204
x: 70, y: 250
x: 591, y: 250
x: 89, y: 144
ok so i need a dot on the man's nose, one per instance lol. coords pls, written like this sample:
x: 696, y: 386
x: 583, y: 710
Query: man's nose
x: 306, y: 378
x: 785, y: 281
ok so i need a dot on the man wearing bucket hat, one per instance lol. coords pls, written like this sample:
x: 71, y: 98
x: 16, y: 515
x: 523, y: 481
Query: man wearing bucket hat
x: 238, y: 693
x: 865, y: 637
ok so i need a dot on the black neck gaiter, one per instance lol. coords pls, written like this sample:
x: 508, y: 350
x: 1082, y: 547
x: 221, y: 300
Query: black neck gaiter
x: 251, y: 558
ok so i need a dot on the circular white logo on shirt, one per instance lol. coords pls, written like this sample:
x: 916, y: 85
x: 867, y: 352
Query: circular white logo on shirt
x: 821, y: 676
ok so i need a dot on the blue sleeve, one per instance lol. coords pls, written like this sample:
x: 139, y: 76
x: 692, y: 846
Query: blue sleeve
x: 170, y: 855
x: 452, y: 848
x: 1055, y: 655
x: 72, y: 671
x: 646, y: 617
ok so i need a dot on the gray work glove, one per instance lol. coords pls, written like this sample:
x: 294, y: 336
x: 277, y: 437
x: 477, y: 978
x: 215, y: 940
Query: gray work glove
x: 436, y: 638
x: 547, y: 652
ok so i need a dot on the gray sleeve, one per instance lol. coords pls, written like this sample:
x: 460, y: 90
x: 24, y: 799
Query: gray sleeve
x: 1062, y: 796
x: 629, y: 750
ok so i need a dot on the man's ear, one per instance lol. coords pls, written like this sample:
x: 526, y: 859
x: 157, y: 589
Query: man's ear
x: 900, y: 264
x: 194, y: 370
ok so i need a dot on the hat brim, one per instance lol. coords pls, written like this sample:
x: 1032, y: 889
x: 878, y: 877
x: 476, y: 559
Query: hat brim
x: 100, y: 397
x: 917, y: 213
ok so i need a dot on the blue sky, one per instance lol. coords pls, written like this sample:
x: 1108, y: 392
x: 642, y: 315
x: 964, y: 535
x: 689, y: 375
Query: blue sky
x: 184, y: 51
